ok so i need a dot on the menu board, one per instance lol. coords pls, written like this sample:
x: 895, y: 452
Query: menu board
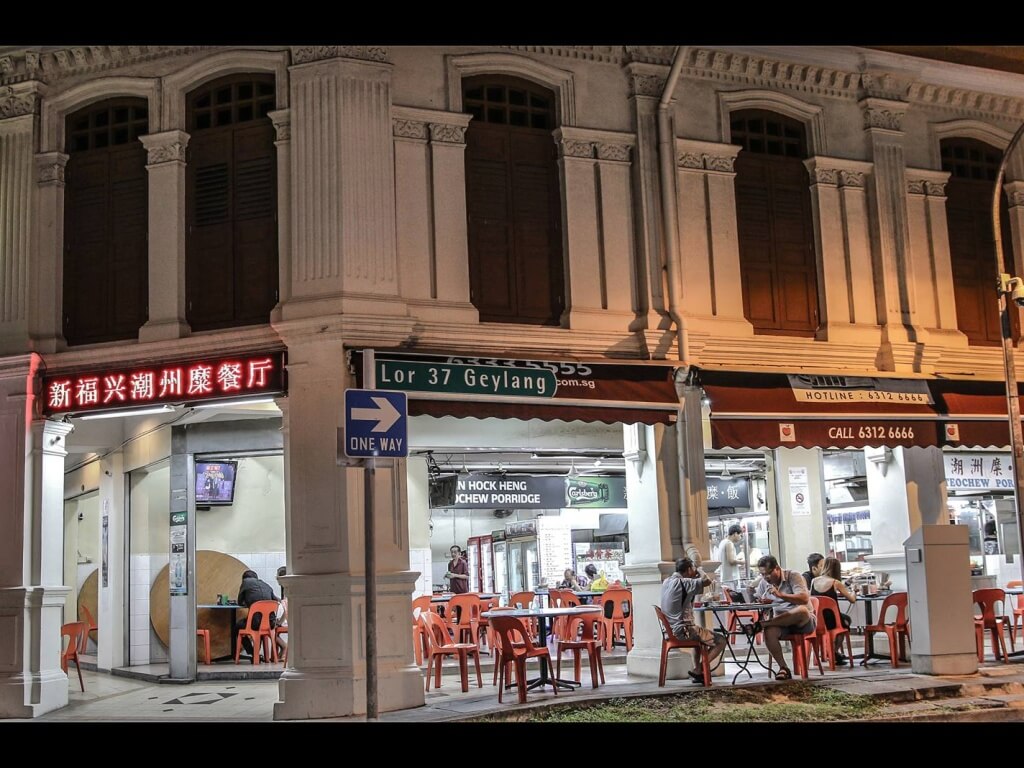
x: 554, y: 542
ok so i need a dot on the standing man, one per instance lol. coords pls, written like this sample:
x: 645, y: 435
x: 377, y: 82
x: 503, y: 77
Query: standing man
x: 733, y: 562
x: 458, y: 571
x: 677, y: 593
x: 787, y: 594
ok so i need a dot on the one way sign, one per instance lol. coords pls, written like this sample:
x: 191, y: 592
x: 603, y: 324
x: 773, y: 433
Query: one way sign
x: 376, y: 423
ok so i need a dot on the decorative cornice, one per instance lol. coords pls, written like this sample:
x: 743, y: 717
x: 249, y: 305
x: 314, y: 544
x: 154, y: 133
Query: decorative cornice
x: 650, y: 54
x: 747, y: 69
x: 617, y: 152
x: 884, y: 85
x: 408, y: 129
x: 16, y: 102
x: 837, y: 171
x: 305, y: 54
x: 167, y: 147
x: 706, y: 155
x: 51, y: 66
x: 924, y: 181
x: 50, y: 167
x: 611, y: 54
x: 447, y: 133
x: 972, y: 103
x: 883, y: 113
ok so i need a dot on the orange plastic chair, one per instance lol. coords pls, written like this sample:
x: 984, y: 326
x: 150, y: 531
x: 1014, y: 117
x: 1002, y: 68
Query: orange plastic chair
x: 670, y: 641
x: 464, y: 617
x: 736, y: 617
x: 420, y: 605
x: 483, y: 626
x: 205, y: 634
x: 282, y: 629
x: 986, y: 599
x: 827, y: 637
x: 265, y: 634
x: 897, y: 631
x: 92, y: 628
x: 799, y: 642
x: 73, y: 631
x: 580, y: 633
x: 1018, y: 609
x: 621, y: 601
x: 439, y: 645
x: 516, y: 653
x: 524, y: 600
x: 555, y: 598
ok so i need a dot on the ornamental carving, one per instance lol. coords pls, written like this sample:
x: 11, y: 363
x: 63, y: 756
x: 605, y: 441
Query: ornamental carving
x: 577, y: 148
x: 6, y: 65
x: 826, y: 176
x: 16, y: 105
x: 915, y: 186
x: 318, y: 52
x: 619, y: 152
x: 967, y: 102
x: 647, y: 85
x: 446, y: 133
x: 283, y: 131
x: 743, y: 68
x: 409, y: 129
x: 935, y: 188
x: 690, y: 160
x: 883, y: 118
x: 1016, y: 198
x: 852, y: 179
x: 719, y: 163
x: 166, y: 153
x: 51, y: 170
x: 884, y: 85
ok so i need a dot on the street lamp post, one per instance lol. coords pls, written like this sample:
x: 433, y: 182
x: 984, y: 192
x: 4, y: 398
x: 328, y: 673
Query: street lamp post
x: 1007, y: 285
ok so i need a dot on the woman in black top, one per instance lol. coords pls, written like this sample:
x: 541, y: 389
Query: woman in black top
x: 830, y: 584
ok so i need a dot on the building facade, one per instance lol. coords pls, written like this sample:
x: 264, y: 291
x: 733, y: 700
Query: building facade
x: 815, y: 211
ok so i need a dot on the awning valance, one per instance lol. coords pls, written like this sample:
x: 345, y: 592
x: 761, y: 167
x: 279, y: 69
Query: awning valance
x: 778, y: 410
x: 496, y: 387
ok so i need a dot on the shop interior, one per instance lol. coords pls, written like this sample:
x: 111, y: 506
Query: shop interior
x: 738, y: 495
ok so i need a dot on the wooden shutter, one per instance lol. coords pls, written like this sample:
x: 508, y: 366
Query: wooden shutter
x: 106, y: 263
x: 232, y: 259
x: 513, y: 203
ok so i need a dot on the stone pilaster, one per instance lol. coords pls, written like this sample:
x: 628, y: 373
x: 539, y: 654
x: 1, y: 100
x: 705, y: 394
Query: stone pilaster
x: 326, y: 657
x: 16, y: 189
x: 165, y: 166
x: 448, y: 206
x: 1015, y: 198
x: 594, y: 168
x: 708, y: 237
x: 46, y: 268
x: 902, y: 340
x: 842, y: 240
x: 282, y: 120
x: 342, y: 190
x: 32, y: 590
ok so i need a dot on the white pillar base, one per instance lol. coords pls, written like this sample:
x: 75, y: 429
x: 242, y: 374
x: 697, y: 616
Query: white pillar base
x: 26, y: 690
x: 944, y: 664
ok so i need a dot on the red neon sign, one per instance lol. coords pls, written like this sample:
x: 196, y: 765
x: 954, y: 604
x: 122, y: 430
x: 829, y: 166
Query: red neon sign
x: 181, y: 382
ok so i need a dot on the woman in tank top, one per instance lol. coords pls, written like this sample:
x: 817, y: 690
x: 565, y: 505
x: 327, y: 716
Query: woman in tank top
x: 829, y: 583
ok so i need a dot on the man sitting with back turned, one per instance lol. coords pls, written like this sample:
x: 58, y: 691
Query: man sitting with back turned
x: 252, y: 590
x: 677, y: 593
x: 787, y: 593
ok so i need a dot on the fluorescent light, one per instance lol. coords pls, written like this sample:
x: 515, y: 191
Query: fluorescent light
x: 129, y: 412
x: 228, y: 403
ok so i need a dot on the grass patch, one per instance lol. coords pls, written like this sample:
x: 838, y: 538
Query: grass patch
x: 796, y: 702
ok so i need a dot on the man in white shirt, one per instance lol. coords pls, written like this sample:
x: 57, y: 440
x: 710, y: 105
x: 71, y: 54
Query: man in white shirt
x: 733, y: 562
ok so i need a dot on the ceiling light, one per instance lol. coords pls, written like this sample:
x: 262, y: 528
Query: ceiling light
x: 725, y: 469
x: 129, y: 412
x: 572, y: 469
x: 229, y: 403
x: 465, y: 469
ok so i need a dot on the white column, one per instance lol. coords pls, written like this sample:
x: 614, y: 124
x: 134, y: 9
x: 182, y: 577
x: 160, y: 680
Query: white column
x: 708, y: 238
x: 46, y: 267
x: 798, y: 534
x: 1015, y: 196
x: 326, y: 656
x: 110, y: 619
x: 166, y: 174
x: 16, y: 189
x: 845, y: 273
x: 283, y: 142
x: 342, y: 190
x: 32, y: 592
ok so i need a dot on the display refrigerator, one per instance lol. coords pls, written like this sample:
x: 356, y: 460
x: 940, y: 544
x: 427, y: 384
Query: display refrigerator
x: 500, y: 560
x: 537, y: 553
x: 481, y: 569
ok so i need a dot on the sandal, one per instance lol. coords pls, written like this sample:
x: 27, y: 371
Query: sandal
x: 696, y: 677
x: 756, y: 628
x: 783, y: 674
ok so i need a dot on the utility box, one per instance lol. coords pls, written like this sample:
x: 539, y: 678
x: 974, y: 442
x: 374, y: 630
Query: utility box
x: 940, y: 601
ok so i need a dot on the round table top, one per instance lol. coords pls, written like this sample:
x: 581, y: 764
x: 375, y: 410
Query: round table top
x: 528, y: 612
x: 450, y: 595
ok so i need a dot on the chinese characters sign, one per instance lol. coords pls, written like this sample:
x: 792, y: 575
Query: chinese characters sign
x: 734, y: 492
x: 978, y: 471
x: 183, y: 382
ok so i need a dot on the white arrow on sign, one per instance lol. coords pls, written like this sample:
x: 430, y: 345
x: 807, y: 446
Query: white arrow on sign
x: 385, y: 414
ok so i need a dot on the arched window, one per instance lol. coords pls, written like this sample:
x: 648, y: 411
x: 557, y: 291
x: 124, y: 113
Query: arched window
x: 973, y: 166
x: 513, y: 202
x: 231, y: 251
x: 106, y: 267
x: 773, y: 211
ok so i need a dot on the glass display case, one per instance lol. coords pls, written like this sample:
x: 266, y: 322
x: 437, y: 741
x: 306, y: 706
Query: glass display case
x: 847, y: 509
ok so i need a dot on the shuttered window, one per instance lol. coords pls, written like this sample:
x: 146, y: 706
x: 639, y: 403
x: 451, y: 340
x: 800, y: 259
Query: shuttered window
x: 973, y: 166
x: 773, y: 211
x: 106, y: 267
x: 513, y: 202
x: 231, y: 262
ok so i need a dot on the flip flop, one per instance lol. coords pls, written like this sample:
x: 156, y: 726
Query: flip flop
x: 783, y: 674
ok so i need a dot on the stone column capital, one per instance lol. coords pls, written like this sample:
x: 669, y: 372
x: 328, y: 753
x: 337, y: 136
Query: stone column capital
x: 835, y: 172
x: 447, y: 133
x: 409, y: 129
x: 706, y: 155
x: 885, y: 114
x: 50, y: 167
x: 20, y: 99
x: 282, y: 120
x: 166, y: 147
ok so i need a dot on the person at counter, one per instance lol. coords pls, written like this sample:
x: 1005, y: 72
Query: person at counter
x: 732, y: 562
x: 458, y: 571
x: 252, y: 590
x: 677, y: 593
x: 787, y: 594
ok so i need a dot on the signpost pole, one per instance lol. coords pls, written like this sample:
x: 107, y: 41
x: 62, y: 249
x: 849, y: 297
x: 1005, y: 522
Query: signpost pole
x: 370, y: 557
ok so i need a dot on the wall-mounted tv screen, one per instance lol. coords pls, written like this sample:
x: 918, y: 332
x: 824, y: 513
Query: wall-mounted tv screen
x: 215, y: 482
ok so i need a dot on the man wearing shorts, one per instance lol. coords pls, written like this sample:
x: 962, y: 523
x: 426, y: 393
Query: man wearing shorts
x: 677, y: 593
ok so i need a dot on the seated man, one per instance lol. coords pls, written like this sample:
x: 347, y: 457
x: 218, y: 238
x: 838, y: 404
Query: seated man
x: 252, y: 590
x: 677, y: 593
x: 787, y: 593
